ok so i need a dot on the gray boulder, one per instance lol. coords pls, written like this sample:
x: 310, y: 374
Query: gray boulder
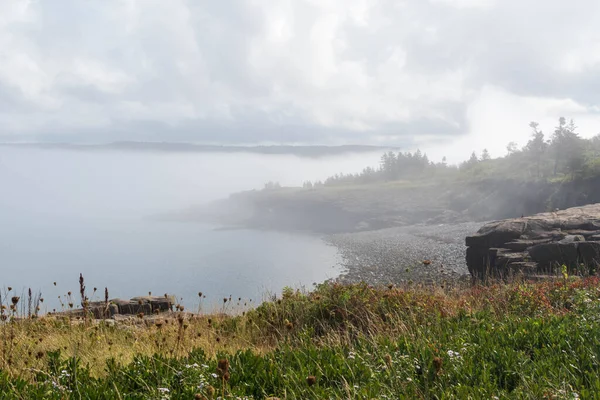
x: 538, y: 244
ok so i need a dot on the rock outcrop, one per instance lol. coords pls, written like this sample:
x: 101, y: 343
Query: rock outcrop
x: 537, y: 245
x: 144, y: 305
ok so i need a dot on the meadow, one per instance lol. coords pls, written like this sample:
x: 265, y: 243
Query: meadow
x: 498, y: 341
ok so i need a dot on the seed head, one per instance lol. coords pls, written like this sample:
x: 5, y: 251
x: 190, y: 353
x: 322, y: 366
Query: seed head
x: 223, y: 365
x: 388, y: 359
x: 199, y: 294
x: 15, y: 300
x: 311, y: 380
x: 210, y: 391
x: 437, y: 364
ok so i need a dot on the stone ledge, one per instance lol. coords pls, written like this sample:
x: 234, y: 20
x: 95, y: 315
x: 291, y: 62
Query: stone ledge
x: 537, y: 245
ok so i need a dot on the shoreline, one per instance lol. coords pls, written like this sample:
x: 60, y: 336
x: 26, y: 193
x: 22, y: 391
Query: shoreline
x: 429, y: 254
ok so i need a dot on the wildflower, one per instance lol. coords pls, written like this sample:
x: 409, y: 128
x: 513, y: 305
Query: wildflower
x: 351, y: 355
x: 453, y: 354
x: 163, y: 390
x: 214, y: 375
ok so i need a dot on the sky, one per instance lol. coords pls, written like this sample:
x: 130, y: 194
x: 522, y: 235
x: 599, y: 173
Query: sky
x: 446, y: 76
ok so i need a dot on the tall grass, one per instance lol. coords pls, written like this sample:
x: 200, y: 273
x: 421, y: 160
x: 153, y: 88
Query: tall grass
x: 519, y: 340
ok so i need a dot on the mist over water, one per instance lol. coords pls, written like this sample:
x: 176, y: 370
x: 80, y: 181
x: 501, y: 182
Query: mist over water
x: 68, y: 212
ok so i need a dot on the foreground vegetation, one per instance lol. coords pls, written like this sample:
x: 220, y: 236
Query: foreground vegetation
x: 522, y: 340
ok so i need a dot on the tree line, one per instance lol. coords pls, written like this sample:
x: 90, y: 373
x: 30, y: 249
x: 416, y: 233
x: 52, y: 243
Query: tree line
x: 561, y: 155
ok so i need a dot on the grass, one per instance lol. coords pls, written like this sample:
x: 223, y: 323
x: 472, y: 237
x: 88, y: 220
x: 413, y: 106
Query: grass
x: 521, y: 340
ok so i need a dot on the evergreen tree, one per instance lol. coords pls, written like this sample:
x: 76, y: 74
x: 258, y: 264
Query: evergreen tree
x: 537, y: 146
x: 485, y: 155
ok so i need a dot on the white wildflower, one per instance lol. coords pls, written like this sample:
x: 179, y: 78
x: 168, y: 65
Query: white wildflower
x: 453, y: 354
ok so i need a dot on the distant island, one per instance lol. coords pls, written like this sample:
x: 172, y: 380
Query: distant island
x: 300, y: 151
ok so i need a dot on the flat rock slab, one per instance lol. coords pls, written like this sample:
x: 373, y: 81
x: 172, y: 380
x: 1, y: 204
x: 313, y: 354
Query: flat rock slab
x: 144, y: 305
x: 538, y: 244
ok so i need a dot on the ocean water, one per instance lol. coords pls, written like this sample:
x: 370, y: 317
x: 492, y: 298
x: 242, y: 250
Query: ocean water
x: 63, y: 213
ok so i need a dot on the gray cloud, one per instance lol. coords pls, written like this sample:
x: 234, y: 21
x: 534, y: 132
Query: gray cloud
x: 306, y: 71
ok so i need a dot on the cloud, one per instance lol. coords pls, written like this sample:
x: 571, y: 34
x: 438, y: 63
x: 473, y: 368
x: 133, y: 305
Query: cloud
x: 409, y: 72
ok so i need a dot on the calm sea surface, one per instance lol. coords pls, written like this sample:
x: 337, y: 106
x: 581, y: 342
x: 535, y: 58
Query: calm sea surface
x: 63, y: 213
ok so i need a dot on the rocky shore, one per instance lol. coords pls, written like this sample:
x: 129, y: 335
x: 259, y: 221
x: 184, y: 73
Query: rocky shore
x: 418, y: 253
x: 538, y: 245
